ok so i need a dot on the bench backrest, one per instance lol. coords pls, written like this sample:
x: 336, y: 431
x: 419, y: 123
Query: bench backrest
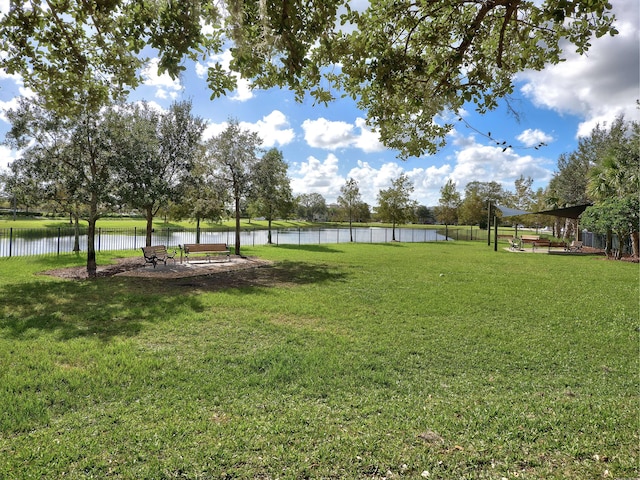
x: 530, y: 237
x: 154, y: 250
x: 205, y: 247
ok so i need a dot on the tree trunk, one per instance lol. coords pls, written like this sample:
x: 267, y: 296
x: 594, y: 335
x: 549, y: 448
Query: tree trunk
x: 269, y: 232
x: 92, y: 267
x: 608, y: 243
x: 149, y: 215
x: 350, y: 230
x: 76, y: 233
x: 393, y: 231
x: 635, y: 245
x: 237, y: 249
x: 198, y: 230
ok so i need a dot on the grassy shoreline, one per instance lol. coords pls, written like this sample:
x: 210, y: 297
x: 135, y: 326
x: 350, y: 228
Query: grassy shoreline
x: 371, y: 361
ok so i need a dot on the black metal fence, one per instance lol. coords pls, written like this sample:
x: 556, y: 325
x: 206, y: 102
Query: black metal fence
x: 16, y: 242
x: 55, y: 241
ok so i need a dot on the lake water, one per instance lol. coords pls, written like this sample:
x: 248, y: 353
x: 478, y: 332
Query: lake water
x: 19, y: 242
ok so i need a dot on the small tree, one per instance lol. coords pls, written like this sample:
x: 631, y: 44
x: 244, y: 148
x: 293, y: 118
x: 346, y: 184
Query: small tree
x: 395, y: 204
x: 76, y: 152
x: 271, y: 194
x: 156, y: 153
x: 232, y: 156
x: 349, y: 200
x: 447, y: 209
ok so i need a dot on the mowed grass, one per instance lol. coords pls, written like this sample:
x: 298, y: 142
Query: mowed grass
x: 444, y: 360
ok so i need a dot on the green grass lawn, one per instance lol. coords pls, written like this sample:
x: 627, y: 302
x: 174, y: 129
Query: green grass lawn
x: 443, y: 360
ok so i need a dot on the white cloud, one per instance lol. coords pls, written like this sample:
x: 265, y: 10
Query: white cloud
x: 272, y: 129
x: 471, y: 162
x: 213, y: 129
x: 599, y: 85
x: 371, y: 180
x: 532, y: 138
x: 6, y: 157
x: 367, y: 141
x: 166, y: 87
x: 334, y: 135
x: 317, y: 176
x: 483, y: 163
x: 8, y: 105
x: 427, y: 183
x: 323, y: 133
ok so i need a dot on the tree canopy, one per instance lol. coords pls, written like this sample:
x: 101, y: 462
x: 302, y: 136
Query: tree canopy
x: 395, y: 204
x: 407, y: 62
x: 404, y: 62
x: 80, y: 56
x: 271, y: 190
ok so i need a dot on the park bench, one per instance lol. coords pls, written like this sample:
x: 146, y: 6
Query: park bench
x: 529, y: 238
x: 541, y: 242
x: 206, y: 249
x: 562, y: 245
x: 157, y: 253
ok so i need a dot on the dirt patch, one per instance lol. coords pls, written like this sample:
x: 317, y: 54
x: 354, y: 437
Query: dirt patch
x: 136, y: 267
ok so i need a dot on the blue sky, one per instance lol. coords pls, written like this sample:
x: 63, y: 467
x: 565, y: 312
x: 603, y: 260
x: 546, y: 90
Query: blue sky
x: 325, y: 146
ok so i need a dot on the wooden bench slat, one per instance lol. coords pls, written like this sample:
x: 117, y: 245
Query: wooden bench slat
x: 207, y: 248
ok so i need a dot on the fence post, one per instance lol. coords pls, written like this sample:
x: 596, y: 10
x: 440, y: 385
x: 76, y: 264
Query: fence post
x: 58, y: 241
x: 10, y: 240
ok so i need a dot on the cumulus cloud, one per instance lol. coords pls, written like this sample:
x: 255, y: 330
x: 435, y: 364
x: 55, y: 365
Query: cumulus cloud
x: 471, y: 162
x: 368, y: 141
x: 484, y: 163
x: 166, y: 87
x: 597, y: 86
x: 243, y: 90
x: 328, y: 135
x: 335, y: 135
x: 273, y: 129
x: 6, y: 157
x: 5, y: 106
x: 317, y: 176
x: 371, y: 180
x: 533, y: 137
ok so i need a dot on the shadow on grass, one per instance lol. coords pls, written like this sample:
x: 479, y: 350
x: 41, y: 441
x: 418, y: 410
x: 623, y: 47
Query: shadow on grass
x: 282, y: 274
x: 121, y: 306
x: 311, y: 248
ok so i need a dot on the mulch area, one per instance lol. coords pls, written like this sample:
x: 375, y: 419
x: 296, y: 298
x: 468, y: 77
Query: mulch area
x: 136, y: 267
